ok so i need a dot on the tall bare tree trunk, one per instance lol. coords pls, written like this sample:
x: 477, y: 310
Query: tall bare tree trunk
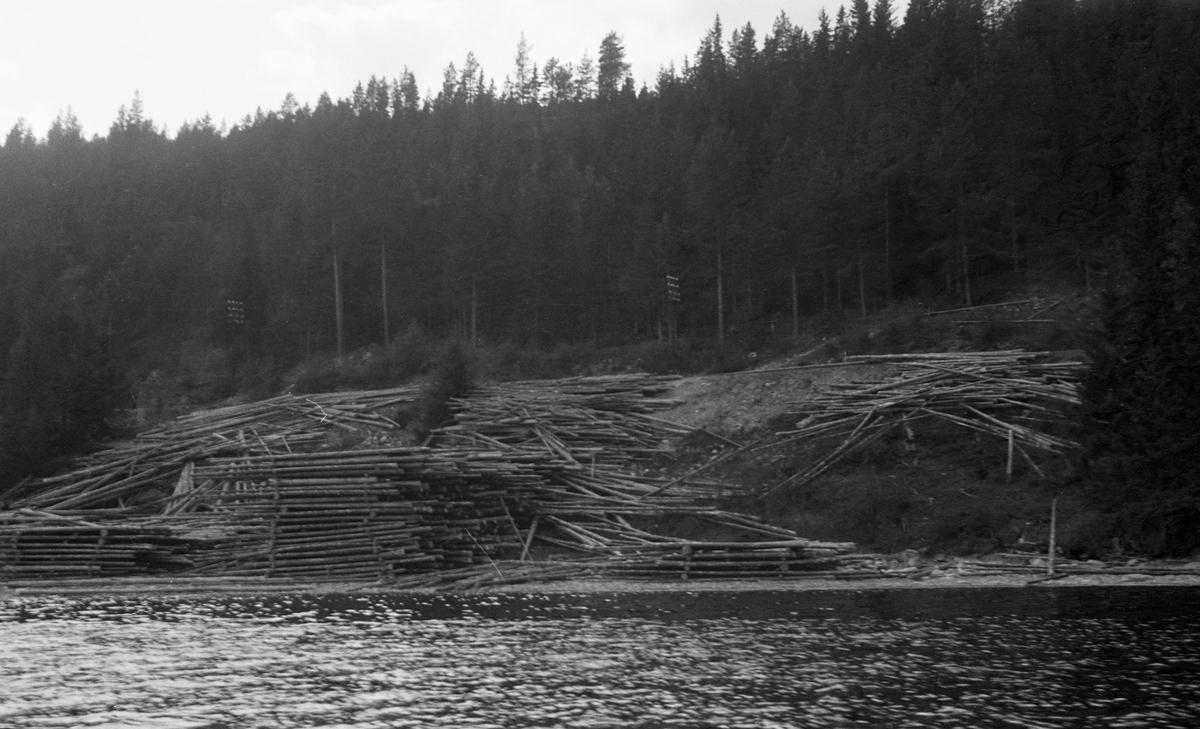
x: 824, y: 293
x: 383, y: 293
x: 475, y: 315
x: 720, y: 300
x: 837, y: 280
x: 887, y: 247
x: 966, y: 258
x: 337, y: 296
x: 795, y: 308
x: 1012, y: 234
x: 862, y: 283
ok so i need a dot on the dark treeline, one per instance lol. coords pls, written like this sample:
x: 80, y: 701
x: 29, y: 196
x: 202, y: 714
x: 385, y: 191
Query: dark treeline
x: 965, y: 150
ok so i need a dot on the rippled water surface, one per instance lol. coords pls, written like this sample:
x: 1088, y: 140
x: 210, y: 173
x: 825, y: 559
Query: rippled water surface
x: 921, y: 658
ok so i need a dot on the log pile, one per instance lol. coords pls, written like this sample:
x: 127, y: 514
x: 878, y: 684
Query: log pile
x: 366, y: 514
x: 1013, y: 395
x: 156, y: 457
x: 254, y: 491
x: 37, y: 544
x: 587, y: 420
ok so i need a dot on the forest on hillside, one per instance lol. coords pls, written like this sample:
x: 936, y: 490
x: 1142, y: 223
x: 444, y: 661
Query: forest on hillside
x: 966, y: 150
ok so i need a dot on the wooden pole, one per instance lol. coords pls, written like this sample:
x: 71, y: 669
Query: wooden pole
x: 529, y: 539
x: 1009, y: 471
x: 1053, y: 536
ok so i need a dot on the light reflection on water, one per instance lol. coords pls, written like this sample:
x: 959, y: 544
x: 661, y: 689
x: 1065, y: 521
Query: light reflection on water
x: 969, y: 658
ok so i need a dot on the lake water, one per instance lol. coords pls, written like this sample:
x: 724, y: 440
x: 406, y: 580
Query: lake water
x: 1039, y: 657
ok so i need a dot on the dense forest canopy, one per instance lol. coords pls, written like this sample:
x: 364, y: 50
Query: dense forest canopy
x: 963, y: 151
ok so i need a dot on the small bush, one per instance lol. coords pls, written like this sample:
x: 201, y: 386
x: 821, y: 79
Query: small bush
x: 314, y: 375
x: 1088, y: 536
x: 974, y: 529
x: 410, y: 355
x: 870, y: 511
x: 1163, y: 524
x: 994, y: 334
x: 451, y: 379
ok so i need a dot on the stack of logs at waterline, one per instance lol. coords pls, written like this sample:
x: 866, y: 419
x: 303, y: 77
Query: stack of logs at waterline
x: 270, y: 490
x: 36, y: 544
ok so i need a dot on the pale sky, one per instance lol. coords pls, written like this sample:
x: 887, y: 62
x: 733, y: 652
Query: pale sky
x: 226, y: 58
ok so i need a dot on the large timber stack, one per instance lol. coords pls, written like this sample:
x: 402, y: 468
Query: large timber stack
x: 255, y: 491
x: 270, y: 490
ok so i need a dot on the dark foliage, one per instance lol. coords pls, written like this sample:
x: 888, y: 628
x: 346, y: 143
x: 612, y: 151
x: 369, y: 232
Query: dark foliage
x: 60, y: 386
x: 1142, y: 394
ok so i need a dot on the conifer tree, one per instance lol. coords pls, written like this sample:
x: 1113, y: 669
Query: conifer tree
x: 612, y: 69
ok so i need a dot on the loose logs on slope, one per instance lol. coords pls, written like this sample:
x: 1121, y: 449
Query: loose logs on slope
x: 1013, y: 395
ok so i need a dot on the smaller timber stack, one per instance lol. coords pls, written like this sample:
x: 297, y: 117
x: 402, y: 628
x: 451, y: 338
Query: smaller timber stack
x: 365, y: 514
x: 35, y: 544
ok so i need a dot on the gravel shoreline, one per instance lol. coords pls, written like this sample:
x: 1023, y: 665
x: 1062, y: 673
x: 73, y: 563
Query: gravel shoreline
x: 948, y: 581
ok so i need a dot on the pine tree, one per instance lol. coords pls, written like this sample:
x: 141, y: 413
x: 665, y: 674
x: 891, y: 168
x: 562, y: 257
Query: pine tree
x: 612, y: 68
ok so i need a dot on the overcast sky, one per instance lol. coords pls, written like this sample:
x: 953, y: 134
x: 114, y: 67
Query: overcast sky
x: 226, y: 58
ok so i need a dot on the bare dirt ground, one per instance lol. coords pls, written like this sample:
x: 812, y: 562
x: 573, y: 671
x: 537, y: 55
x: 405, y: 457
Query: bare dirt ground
x: 736, y: 403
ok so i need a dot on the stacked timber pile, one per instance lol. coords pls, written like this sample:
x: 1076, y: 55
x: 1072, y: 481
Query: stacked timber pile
x: 254, y: 491
x: 365, y: 514
x: 1013, y: 395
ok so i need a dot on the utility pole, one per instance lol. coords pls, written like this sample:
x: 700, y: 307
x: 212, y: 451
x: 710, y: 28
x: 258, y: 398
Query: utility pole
x: 672, y: 300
